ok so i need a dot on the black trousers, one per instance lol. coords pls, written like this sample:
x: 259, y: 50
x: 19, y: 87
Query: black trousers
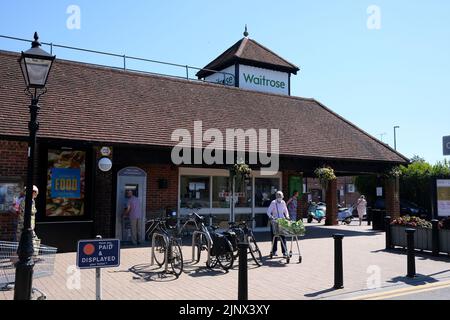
x: 275, y: 244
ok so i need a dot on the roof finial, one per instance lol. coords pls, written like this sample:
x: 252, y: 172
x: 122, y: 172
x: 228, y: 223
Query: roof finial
x: 36, y: 42
x: 246, y: 32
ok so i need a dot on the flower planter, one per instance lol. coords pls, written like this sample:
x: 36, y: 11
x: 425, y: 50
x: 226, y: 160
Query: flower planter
x: 444, y: 241
x: 398, y: 236
x: 422, y: 237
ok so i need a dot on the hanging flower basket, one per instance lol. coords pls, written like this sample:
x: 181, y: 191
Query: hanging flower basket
x: 325, y: 175
x: 239, y: 172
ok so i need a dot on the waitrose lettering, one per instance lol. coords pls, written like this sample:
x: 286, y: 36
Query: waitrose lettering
x: 263, y: 81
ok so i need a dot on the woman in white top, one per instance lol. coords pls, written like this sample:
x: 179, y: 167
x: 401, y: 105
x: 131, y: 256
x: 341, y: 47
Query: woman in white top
x: 361, y: 206
x: 276, y: 210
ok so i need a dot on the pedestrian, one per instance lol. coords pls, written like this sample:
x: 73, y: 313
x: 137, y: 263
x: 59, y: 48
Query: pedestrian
x: 278, y: 209
x: 21, y: 218
x: 15, y: 209
x: 292, y: 205
x: 134, y: 212
x: 361, y: 206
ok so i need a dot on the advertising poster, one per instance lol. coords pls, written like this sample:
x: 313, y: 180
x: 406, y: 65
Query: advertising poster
x: 65, y: 183
x: 443, y: 197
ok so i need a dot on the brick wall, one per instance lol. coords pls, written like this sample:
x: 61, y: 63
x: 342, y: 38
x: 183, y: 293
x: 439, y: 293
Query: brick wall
x: 159, y: 199
x: 13, y: 159
x: 13, y: 165
x: 392, y: 198
x: 331, y: 201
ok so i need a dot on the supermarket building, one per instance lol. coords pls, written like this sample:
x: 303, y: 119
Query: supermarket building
x: 94, y: 112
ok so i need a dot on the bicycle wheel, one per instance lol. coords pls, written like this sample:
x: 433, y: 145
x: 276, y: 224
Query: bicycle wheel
x: 160, y: 251
x: 226, y: 260
x: 254, y: 250
x: 176, y: 258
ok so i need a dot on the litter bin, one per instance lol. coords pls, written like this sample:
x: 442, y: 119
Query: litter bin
x: 377, y: 216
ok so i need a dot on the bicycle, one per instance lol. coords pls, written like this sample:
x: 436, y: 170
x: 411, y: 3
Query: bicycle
x: 243, y: 233
x: 165, y: 247
x: 205, y: 238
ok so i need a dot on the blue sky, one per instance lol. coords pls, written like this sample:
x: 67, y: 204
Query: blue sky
x: 376, y: 78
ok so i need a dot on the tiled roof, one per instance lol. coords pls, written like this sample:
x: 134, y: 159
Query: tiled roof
x: 250, y: 52
x: 102, y: 104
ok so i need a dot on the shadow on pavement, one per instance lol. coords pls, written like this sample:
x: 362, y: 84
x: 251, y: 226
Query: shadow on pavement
x: 419, y: 254
x: 419, y: 280
x: 204, y: 272
x: 318, y: 293
x: 321, y: 231
x: 146, y: 272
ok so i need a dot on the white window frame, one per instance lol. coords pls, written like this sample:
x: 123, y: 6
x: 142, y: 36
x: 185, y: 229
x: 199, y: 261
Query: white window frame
x: 205, y: 172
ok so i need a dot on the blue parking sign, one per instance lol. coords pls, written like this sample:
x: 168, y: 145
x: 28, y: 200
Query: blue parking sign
x: 446, y: 145
x: 98, y: 253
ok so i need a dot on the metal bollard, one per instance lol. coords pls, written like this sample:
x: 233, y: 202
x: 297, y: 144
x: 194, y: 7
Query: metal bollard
x: 387, y: 229
x: 435, y: 237
x: 243, y: 271
x: 98, y: 279
x: 411, y: 255
x: 338, y: 261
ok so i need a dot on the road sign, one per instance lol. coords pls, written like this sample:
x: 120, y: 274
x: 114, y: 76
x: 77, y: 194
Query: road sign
x: 446, y: 145
x: 98, y: 253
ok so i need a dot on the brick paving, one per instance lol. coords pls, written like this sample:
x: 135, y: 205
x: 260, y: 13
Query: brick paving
x: 311, y: 279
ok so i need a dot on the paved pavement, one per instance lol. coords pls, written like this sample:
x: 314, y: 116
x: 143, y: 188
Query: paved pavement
x: 367, y: 269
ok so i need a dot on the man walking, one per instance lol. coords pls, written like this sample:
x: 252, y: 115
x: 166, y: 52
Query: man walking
x: 134, y: 212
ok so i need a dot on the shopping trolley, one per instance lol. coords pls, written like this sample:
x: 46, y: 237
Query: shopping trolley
x: 44, y: 262
x: 278, y: 231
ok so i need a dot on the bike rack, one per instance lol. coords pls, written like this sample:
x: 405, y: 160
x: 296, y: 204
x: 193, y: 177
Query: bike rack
x: 208, y: 240
x: 166, y: 241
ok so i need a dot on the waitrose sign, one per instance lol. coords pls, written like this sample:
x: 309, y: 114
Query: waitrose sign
x: 253, y: 78
x: 263, y: 80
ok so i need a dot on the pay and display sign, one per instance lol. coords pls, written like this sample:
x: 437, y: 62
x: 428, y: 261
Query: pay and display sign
x: 446, y: 145
x: 98, y: 253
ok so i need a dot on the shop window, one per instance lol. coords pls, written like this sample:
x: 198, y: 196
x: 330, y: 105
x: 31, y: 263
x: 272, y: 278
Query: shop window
x: 194, y: 192
x: 221, y: 193
x: 66, y: 187
x: 244, y: 194
x: 265, y: 189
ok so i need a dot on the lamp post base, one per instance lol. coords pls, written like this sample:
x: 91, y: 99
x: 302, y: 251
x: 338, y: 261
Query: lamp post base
x: 24, y: 279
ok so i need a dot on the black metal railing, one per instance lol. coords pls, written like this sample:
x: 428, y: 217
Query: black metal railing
x: 125, y: 59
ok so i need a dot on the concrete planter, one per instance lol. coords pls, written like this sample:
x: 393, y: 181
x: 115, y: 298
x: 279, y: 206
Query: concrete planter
x: 444, y: 241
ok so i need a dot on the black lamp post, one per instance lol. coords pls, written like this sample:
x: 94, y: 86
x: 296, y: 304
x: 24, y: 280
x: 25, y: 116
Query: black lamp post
x: 35, y: 64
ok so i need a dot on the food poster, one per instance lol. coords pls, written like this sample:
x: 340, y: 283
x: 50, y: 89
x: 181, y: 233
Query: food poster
x: 65, y: 183
x: 443, y: 197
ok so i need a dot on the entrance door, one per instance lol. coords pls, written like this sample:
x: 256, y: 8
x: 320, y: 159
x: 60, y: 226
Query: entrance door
x: 134, y: 179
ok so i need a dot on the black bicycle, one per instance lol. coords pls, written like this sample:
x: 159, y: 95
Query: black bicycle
x: 240, y: 232
x: 218, y: 248
x: 165, y: 245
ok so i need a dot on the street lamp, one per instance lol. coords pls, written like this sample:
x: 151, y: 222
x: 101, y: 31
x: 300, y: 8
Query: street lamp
x: 395, y: 137
x: 35, y: 64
